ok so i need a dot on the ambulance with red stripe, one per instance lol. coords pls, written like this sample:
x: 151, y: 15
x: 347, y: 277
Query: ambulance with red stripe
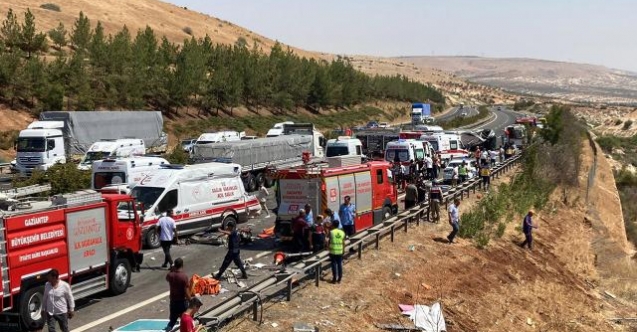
x: 93, y: 240
x: 201, y: 196
x: 447, y: 143
x: 370, y: 187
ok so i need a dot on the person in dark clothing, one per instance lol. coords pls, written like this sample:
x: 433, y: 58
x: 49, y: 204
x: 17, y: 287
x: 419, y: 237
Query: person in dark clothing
x: 233, y: 254
x: 422, y: 192
x: 299, y: 232
x: 179, y: 296
x: 317, y: 235
x: 411, y: 196
x: 527, y: 229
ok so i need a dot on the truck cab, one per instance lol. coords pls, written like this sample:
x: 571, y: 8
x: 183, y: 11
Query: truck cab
x: 277, y: 129
x: 405, y: 150
x: 344, y: 146
x: 119, y: 148
x: 40, y: 146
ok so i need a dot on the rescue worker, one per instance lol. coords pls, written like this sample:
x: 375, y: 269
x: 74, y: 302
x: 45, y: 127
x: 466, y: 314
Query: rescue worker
x: 435, y: 198
x: 331, y: 216
x: 337, y: 249
x: 167, y: 231
x: 508, y: 153
x: 454, y: 219
x: 527, y: 229
x: 485, y: 173
x: 463, y: 172
x: 317, y: 235
x: 347, y: 215
x: 411, y: 196
x: 233, y: 254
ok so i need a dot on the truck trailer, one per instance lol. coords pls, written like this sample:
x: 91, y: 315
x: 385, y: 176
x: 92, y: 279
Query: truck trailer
x: 93, y: 240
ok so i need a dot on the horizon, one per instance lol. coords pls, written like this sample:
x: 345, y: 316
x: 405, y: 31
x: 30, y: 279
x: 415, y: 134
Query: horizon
x: 456, y: 28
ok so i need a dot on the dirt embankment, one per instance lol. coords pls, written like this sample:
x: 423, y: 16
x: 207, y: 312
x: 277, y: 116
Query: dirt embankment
x: 580, y: 253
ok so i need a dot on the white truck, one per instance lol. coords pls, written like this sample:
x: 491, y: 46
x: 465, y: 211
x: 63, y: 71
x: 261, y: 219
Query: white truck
x: 344, y: 146
x: 257, y: 155
x: 119, y: 175
x: 220, y: 136
x: 119, y: 148
x: 60, y: 136
x: 202, y: 196
x: 277, y: 129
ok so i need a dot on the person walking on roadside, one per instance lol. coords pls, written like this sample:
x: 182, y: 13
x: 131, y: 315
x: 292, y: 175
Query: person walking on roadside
x: 263, y: 198
x: 58, y: 304
x: 454, y: 219
x: 187, y: 323
x: 337, y: 250
x: 347, y: 214
x: 179, y: 296
x: 463, y: 172
x: 485, y: 173
x: 233, y: 254
x: 435, y: 198
x: 167, y: 231
x: 527, y: 229
x: 411, y: 196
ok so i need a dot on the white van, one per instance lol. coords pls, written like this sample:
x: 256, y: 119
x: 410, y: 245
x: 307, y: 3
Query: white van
x: 119, y: 175
x: 202, y: 196
x: 448, y: 144
x: 344, y: 146
x: 120, y: 148
x: 405, y: 150
x: 277, y: 129
x: 220, y: 136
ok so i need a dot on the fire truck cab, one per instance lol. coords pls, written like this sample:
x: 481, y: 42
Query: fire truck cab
x: 370, y: 187
x: 93, y: 240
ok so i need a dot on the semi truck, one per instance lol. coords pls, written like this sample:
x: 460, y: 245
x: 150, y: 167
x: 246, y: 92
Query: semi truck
x: 421, y: 114
x: 370, y: 187
x: 93, y: 240
x: 58, y: 137
x: 375, y: 141
x: 117, y: 148
x: 256, y: 156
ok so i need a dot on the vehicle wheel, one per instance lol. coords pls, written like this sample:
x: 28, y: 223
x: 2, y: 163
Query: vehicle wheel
x: 269, y: 182
x: 260, y: 180
x: 228, y: 219
x: 31, y: 304
x: 251, y: 185
x: 386, y: 212
x: 152, y: 239
x: 120, y: 276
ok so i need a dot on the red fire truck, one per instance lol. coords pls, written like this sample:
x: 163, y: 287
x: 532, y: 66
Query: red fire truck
x: 370, y: 187
x: 92, y: 240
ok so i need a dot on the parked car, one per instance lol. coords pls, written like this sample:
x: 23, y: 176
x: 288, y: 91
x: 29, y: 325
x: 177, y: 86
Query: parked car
x: 447, y: 174
x: 187, y: 144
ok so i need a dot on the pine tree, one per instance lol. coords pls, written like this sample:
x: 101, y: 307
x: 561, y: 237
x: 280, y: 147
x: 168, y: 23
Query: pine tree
x: 58, y: 36
x: 30, y: 40
x: 81, y: 35
x: 11, y: 31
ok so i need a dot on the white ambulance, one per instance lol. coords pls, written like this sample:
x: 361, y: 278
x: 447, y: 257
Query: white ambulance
x: 202, y: 196
x: 448, y: 144
x: 119, y: 148
x: 119, y: 175
x: 404, y: 150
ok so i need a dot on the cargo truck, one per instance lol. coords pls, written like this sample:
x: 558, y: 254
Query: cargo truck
x: 58, y: 137
x: 375, y: 141
x: 93, y: 240
x: 117, y: 148
x: 421, y: 114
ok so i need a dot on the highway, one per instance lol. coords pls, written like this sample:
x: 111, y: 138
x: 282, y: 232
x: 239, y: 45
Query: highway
x: 147, y: 296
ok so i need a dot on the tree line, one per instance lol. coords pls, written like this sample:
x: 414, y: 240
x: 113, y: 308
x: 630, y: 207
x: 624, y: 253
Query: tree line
x: 85, y: 69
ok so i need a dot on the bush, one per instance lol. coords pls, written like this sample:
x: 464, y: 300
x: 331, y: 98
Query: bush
x: 64, y: 178
x: 51, y: 6
x: 608, y: 143
x: 7, y: 139
x: 627, y: 124
x: 482, y: 240
x: 178, y: 156
x: 618, y: 122
x: 187, y: 30
x: 501, y: 228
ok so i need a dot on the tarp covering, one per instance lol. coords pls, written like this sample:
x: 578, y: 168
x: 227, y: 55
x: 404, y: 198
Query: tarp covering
x: 252, y: 152
x: 81, y: 129
x: 429, y: 319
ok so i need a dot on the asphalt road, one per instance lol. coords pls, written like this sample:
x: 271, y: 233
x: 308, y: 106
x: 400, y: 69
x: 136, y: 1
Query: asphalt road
x: 148, y: 295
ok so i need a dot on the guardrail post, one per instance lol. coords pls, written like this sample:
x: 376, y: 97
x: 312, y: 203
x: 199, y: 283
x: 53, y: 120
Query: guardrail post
x: 317, y: 279
x: 289, y: 287
x: 377, y: 240
x: 255, y: 310
x: 392, y: 233
x: 360, y: 249
x: 407, y: 221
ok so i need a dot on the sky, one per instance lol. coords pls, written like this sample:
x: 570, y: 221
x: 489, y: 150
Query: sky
x: 586, y: 31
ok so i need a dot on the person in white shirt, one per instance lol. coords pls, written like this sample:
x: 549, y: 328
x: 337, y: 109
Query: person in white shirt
x: 494, y: 155
x: 429, y: 164
x: 58, y: 304
x: 263, y: 198
x: 484, y: 157
x: 454, y: 219
x: 167, y: 231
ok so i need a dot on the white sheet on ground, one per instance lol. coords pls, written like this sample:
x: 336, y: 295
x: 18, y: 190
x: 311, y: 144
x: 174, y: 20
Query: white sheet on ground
x: 427, y: 318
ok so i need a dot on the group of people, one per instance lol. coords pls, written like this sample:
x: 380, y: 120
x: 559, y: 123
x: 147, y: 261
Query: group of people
x: 421, y: 169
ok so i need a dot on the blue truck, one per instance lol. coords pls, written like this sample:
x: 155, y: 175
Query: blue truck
x: 421, y: 114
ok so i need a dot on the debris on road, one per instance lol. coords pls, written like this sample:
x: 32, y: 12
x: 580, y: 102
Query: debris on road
x: 427, y: 318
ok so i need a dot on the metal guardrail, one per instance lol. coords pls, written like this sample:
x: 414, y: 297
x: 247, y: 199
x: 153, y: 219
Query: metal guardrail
x: 254, y: 296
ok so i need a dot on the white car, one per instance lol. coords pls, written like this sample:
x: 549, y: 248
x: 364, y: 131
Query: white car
x: 447, y: 173
x: 383, y: 125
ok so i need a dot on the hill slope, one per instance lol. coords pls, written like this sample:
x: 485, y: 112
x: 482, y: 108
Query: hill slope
x: 563, y: 80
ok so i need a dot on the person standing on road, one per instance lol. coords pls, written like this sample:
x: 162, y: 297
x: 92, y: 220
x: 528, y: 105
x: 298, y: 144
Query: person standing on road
x: 233, y: 254
x: 330, y: 217
x: 454, y: 219
x: 411, y: 196
x: 58, y: 304
x: 484, y: 158
x: 478, y: 155
x: 309, y: 215
x: 429, y: 164
x: 501, y: 154
x: 436, y: 166
x: 463, y: 172
x: 263, y: 199
x: 179, y: 296
x: 485, y: 173
x: 337, y: 250
x: 167, y: 231
x: 347, y: 214
x: 187, y: 323
x: 317, y: 235
x: 494, y: 156
x: 435, y: 198
x: 527, y: 229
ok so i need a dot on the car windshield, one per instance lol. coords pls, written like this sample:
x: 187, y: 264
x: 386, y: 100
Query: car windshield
x: 94, y: 155
x: 403, y: 155
x: 31, y: 144
x: 334, y: 151
x: 147, y: 195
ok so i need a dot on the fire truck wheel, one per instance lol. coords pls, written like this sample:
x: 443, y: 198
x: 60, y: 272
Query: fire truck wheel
x: 386, y: 212
x: 227, y: 220
x: 31, y: 307
x: 152, y: 239
x: 120, y: 276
